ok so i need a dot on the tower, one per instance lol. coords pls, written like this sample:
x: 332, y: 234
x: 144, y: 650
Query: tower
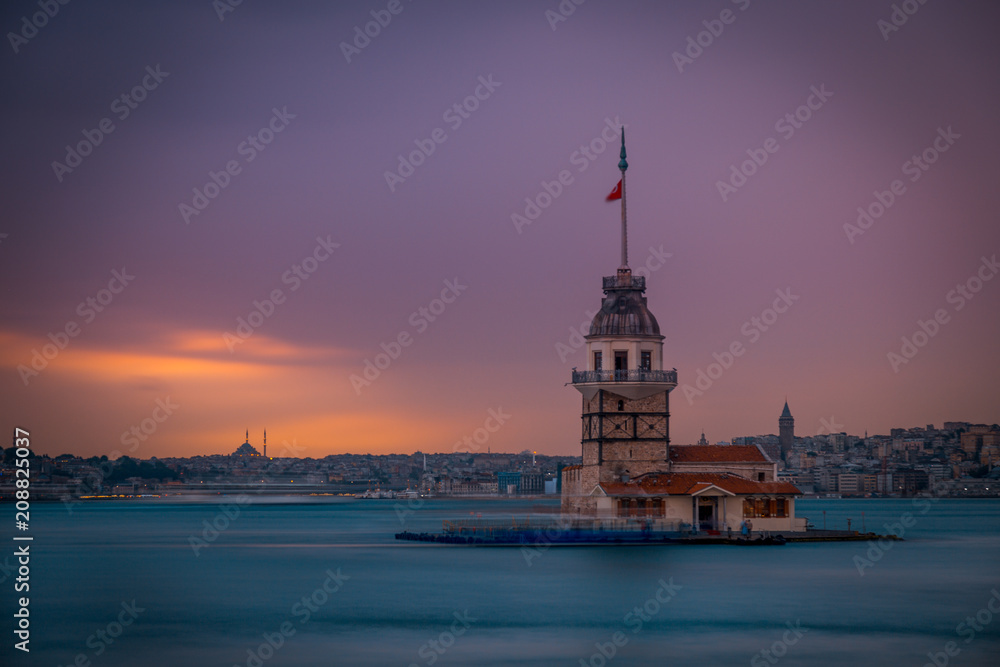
x: 786, y: 431
x: 626, y: 392
x: 265, y: 443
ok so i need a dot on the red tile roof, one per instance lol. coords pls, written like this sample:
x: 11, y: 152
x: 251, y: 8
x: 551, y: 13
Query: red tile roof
x: 717, y: 454
x: 688, y: 483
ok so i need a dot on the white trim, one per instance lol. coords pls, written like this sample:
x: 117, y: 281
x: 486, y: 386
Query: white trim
x: 709, y: 488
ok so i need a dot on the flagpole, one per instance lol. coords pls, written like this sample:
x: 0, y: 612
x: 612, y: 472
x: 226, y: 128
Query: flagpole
x: 623, y: 165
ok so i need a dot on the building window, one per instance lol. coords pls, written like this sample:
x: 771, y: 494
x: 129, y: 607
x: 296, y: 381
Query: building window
x: 781, y: 507
x: 646, y: 362
x: 621, y: 405
x: 764, y: 508
x: 597, y: 361
x: 656, y: 507
x: 748, y: 508
x: 760, y: 477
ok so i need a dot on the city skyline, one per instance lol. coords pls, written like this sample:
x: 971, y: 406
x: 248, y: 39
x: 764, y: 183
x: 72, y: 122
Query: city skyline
x: 273, y: 214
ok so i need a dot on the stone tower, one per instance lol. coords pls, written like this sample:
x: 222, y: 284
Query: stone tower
x: 786, y: 431
x: 626, y: 392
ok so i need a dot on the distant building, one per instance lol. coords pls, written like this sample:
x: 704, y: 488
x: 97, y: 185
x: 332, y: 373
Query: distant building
x: 849, y: 483
x: 508, y: 483
x: 773, y: 450
x: 908, y: 482
x: 532, y: 484
x: 977, y: 437
x: 786, y: 431
x: 246, y: 450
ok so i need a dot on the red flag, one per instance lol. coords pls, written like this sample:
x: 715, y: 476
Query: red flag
x: 616, y: 193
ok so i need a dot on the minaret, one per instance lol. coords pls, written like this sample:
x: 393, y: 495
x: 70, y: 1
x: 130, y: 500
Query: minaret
x: 626, y: 392
x: 786, y: 431
x: 248, y: 436
x: 265, y: 443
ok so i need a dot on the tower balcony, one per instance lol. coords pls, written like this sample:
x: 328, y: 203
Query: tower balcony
x: 634, y: 383
x: 624, y: 280
x: 634, y: 375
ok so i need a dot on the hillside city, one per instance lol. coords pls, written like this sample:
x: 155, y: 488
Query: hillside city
x: 957, y: 460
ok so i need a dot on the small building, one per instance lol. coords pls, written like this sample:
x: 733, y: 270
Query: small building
x: 713, y: 501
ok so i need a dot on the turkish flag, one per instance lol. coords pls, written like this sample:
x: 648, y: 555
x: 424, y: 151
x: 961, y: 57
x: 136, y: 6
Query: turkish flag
x: 616, y: 193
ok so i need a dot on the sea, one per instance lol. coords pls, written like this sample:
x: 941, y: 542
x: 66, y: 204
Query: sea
x: 264, y: 581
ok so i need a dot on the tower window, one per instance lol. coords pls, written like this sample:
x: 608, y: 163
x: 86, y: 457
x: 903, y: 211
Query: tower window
x: 598, y: 365
x: 646, y: 362
x: 621, y: 405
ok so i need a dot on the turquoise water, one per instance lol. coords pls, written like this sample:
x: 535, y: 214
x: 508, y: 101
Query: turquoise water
x: 396, y: 603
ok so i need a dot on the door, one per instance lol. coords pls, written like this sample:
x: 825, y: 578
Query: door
x: 621, y: 364
x: 706, y: 513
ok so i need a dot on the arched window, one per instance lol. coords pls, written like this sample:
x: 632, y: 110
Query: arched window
x: 764, y: 507
x: 781, y: 507
x: 621, y: 405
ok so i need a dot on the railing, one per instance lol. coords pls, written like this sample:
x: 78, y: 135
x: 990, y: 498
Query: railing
x: 630, y: 282
x: 631, y: 375
x: 552, y: 527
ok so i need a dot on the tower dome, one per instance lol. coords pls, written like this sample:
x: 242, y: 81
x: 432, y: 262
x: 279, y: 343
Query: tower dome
x: 624, y: 311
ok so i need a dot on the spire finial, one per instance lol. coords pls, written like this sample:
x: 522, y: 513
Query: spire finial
x: 248, y: 435
x: 623, y: 163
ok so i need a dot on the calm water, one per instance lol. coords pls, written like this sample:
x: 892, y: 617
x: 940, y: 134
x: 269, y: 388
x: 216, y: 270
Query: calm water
x: 395, y: 599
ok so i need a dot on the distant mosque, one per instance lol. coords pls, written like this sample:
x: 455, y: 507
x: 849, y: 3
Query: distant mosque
x: 246, y: 450
x: 630, y: 469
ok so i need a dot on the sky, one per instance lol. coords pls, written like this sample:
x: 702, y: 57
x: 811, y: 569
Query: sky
x: 217, y: 216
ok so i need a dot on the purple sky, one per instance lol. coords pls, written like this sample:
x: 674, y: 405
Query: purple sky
x: 344, y: 124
